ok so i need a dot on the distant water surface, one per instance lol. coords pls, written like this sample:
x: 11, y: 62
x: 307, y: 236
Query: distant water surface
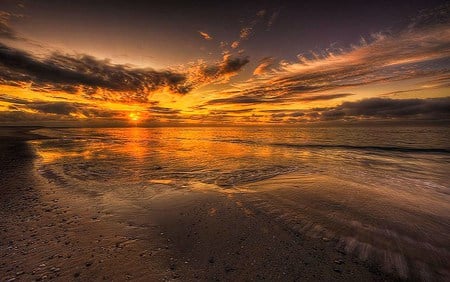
x: 382, y: 192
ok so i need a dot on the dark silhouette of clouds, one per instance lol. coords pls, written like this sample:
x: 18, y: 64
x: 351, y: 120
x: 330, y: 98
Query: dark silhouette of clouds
x: 59, y: 108
x: 264, y: 66
x: 420, y: 50
x: 372, y: 109
x: 385, y: 108
x: 88, y: 74
x: 221, y: 71
x: 40, y: 108
x: 5, y: 29
x: 162, y: 110
x: 261, y: 99
x: 63, y: 71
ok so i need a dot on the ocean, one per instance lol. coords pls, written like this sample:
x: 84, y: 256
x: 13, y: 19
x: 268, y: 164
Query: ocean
x: 381, y: 193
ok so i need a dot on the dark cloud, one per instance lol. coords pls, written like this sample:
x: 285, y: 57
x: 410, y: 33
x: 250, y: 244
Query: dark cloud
x: 264, y: 65
x: 384, y: 108
x: 248, y: 30
x: 263, y: 99
x: 272, y: 19
x: 5, y: 30
x: 419, y: 51
x: 162, y: 110
x: 323, y: 97
x: 237, y: 100
x: 227, y: 67
x: 88, y: 75
x: 40, y: 118
x: 59, y: 108
x: 15, y: 116
x: 428, y: 17
x: 219, y: 72
x: 230, y: 111
x: 11, y: 99
x: 66, y: 72
x: 63, y: 108
x: 278, y: 115
x: 297, y: 114
x: 372, y: 109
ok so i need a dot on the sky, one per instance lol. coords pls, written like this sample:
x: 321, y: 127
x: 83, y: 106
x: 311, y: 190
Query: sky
x: 127, y: 63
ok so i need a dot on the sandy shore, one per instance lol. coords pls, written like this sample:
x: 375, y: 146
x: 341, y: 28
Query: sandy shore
x: 185, y: 234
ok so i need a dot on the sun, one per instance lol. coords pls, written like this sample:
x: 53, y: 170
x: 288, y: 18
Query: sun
x: 134, y: 117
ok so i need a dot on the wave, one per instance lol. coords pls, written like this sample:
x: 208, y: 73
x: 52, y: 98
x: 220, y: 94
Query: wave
x: 243, y: 176
x: 365, y: 148
x: 339, y: 146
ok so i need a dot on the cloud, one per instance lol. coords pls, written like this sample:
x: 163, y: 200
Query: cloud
x: 15, y: 116
x: 62, y: 71
x: 371, y: 109
x: 59, y: 108
x: 261, y: 13
x: 384, y: 108
x: 427, y: 17
x: 230, y: 111
x: 264, y: 66
x: 222, y: 71
x: 245, y: 32
x: 229, y: 65
x: 248, y: 30
x: 245, y: 99
x: 11, y: 99
x: 19, y: 116
x: 419, y: 51
x: 5, y: 30
x: 205, y: 35
x: 101, y: 79
x: 235, y: 44
x: 272, y: 19
x: 162, y: 110
x: 40, y: 108
x: 236, y: 100
x: 324, y: 97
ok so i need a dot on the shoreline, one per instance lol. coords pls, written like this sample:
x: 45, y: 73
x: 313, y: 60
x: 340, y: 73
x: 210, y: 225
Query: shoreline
x: 61, y: 235
x: 20, y: 133
x: 180, y: 234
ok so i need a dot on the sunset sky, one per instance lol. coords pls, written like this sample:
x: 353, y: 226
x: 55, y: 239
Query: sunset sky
x: 112, y: 63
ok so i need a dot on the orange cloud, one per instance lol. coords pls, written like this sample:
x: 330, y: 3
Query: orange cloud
x: 96, y: 79
x: 386, y: 58
x: 222, y: 71
x: 235, y: 44
x: 205, y: 35
x: 264, y: 66
x: 245, y: 32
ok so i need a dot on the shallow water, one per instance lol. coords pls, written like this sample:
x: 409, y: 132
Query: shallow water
x: 383, y: 193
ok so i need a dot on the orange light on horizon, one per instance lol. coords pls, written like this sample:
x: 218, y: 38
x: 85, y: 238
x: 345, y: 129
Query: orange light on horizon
x: 134, y: 116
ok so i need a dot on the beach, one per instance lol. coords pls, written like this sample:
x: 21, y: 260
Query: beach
x: 224, y: 140
x: 93, y: 227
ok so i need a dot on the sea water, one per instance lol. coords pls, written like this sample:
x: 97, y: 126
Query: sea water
x: 382, y: 193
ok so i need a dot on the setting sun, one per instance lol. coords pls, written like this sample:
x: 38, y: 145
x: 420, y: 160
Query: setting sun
x: 134, y: 116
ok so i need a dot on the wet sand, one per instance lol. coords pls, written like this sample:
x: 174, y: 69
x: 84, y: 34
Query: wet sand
x: 186, y: 234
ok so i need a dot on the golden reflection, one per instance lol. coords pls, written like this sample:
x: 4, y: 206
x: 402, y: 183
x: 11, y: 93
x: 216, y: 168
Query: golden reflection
x: 185, y: 148
x: 135, y: 143
x: 54, y: 155
x: 160, y: 181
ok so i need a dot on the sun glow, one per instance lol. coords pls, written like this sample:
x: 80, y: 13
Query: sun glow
x: 134, y: 117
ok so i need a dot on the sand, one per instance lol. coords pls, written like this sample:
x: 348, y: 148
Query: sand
x: 186, y: 234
